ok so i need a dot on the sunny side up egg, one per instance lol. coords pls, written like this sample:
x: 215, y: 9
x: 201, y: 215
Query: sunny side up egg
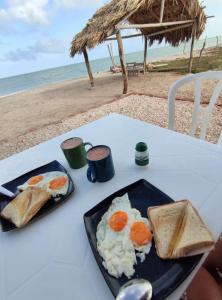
x: 55, y: 182
x: 121, y: 231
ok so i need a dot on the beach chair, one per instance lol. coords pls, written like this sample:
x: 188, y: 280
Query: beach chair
x: 134, y: 68
x: 131, y: 70
x: 206, y: 110
x: 139, y: 67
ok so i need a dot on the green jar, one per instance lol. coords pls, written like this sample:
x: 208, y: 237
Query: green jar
x: 141, y: 154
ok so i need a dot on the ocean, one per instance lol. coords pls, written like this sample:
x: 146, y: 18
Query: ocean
x: 29, y: 81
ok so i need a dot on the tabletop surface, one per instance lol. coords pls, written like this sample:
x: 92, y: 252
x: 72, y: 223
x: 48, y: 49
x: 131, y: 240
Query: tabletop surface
x: 51, y: 258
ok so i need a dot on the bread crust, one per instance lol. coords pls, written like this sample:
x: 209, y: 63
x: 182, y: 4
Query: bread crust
x: 198, y: 247
x: 179, y: 232
x: 154, y: 229
x: 22, y: 209
x: 198, y: 215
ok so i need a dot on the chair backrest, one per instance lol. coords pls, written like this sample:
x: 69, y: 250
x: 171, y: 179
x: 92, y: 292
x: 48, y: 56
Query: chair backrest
x: 130, y: 64
x: 197, y: 79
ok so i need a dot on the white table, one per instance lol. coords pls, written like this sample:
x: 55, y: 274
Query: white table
x: 51, y: 259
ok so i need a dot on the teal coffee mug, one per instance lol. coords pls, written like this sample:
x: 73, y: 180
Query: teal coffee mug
x: 75, y: 152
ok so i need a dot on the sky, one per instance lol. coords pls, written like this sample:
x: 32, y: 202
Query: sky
x: 36, y: 34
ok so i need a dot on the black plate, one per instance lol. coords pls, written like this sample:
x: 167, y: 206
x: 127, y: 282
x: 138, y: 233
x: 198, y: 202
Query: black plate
x: 164, y: 275
x: 52, y: 203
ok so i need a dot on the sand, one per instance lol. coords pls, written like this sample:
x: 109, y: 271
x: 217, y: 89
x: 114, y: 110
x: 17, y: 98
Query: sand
x: 25, y: 112
x: 31, y: 117
x: 149, y: 109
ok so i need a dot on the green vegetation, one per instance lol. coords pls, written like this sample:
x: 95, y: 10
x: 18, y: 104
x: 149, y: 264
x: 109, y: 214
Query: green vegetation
x: 211, y: 59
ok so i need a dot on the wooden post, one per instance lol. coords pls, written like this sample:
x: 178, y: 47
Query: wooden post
x: 111, y: 54
x: 194, y: 30
x: 122, y: 62
x: 184, y: 47
x: 152, y: 25
x: 88, y: 68
x: 162, y: 10
x: 152, y: 34
x: 202, y: 49
x: 145, y: 55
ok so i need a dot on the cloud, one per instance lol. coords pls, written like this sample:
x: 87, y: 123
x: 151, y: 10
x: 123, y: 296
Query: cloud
x: 36, y: 12
x: 77, y: 3
x: 19, y: 54
x: 47, y: 46
x: 212, y: 1
x: 27, y: 11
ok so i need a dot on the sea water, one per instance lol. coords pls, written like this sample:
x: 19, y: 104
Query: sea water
x: 29, y: 81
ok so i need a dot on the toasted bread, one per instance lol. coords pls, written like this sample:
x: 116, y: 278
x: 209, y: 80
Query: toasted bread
x: 179, y: 230
x: 21, y: 209
x: 164, y: 221
x: 193, y: 235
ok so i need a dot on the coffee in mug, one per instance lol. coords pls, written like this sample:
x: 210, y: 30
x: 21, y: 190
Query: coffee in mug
x: 75, y: 152
x: 98, y: 153
x: 71, y: 143
x: 100, y: 163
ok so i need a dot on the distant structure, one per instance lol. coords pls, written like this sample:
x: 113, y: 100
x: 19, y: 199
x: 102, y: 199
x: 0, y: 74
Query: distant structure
x: 174, y: 21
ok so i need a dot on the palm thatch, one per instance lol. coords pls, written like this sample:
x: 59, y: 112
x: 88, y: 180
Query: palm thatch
x: 103, y: 22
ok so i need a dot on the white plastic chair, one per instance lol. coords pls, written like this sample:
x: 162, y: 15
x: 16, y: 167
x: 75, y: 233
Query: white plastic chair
x: 197, y: 79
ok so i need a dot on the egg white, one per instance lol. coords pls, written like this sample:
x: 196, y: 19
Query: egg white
x: 59, y: 191
x: 40, y: 184
x: 116, y: 248
x: 44, y: 183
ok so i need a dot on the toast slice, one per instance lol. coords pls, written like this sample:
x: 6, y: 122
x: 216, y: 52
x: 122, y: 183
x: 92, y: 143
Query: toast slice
x: 21, y: 209
x: 193, y: 235
x: 165, y: 220
x: 179, y: 230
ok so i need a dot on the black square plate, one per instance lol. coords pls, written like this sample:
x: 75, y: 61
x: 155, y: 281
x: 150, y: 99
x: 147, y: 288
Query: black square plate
x: 52, y: 203
x: 164, y: 275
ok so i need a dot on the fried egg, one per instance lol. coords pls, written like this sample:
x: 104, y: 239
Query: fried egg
x: 37, y: 180
x: 122, y: 235
x: 55, y: 182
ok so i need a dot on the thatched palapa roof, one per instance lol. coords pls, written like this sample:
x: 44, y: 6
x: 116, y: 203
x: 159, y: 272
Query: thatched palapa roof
x: 103, y: 22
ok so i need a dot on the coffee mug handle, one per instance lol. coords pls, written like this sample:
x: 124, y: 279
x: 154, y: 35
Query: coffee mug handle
x: 87, y: 143
x: 91, y: 174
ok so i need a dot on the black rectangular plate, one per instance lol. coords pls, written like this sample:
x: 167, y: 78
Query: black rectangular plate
x: 12, y: 186
x: 164, y: 275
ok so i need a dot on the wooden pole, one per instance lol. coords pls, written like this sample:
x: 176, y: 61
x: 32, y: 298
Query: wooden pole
x: 202, y: 49
x: 111, y: 54
x: 88, y: 67
x: 162, y: 10
x: 145, y: 55
x: 122, y: 62
x: 124, y: 37
x: 184, y: 47
x: 153, y: 25
x: 152, y: 34
x: 111, y: 49
x: 192, y: 46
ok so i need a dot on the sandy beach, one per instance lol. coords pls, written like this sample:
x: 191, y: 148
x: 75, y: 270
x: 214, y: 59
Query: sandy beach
x: 30, y: 117
x: 31, y: 110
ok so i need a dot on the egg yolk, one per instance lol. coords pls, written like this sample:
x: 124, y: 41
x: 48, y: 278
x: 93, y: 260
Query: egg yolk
x: 35, y: 179
x: 118, y: 221
x: 57, y: 183
x: 140, y: 234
